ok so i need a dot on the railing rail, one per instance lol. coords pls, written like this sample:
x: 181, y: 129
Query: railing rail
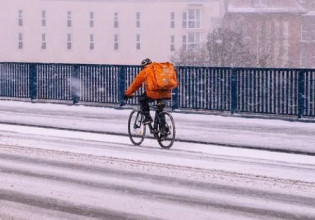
x: 238, y: 90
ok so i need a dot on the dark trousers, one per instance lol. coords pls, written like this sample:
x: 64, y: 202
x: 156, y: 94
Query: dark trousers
x: 144, y: 101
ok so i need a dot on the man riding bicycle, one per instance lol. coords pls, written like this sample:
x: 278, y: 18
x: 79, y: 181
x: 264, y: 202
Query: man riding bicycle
x: 148, y: 77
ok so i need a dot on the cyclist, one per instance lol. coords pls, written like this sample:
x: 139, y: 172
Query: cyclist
x: 145, y: 76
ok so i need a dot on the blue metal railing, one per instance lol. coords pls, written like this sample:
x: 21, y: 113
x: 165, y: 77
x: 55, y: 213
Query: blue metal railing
x: 265, y: 91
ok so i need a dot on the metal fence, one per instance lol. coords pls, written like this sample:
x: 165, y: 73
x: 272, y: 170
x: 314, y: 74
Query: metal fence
x: 244, y: 90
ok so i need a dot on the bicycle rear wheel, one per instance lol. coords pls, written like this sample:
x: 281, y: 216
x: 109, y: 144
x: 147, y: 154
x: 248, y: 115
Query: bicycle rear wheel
x: 136, y: 129
x: 166, y: 135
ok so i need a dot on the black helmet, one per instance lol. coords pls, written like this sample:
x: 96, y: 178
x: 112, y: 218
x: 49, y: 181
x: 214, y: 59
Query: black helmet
x: 146, y: 62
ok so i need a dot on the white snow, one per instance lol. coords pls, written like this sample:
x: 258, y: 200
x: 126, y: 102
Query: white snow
x: 80, y: 160
x: 244, y: 132
x: 193, y: 127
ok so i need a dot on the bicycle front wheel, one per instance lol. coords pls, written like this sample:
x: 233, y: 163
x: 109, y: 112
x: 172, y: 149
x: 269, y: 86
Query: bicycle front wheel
x: 166, y: 135
x: 136, y: 128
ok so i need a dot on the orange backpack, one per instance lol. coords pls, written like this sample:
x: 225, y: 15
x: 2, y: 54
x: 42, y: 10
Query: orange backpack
x: 164, y: 76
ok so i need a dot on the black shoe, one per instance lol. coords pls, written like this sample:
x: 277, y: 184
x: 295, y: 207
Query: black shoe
x: 163, y: 136
x: 147, y: 120
x: 164, y: 133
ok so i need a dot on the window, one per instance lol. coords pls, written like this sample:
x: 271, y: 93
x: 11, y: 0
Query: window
x: 313, y: 32
x: 116, y: 42
x: 20, y: 18
x: 185, y: 20
x: 303, y: 32
x: 43, y: 42
x: 191, y: 40
x: 138, y: 19
x: 91, y: 19
x: 69, y: 23
x: 303, y: 58
x: 116, y: 24
x: 191, y: 18
x: 172, y: 19
x: 69, y: 41
x: 259, y: 2
x: 43, y: 18
x: 138, y: 42
x: 172, y: 43
x: 20, y: 44
x: 184, y: 42
x: 91, y: 42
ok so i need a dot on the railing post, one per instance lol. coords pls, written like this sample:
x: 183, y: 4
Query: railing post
x: 175, y: 99
x: 33, y: 81
x: 122, y: 83
x: 175, y: 93
x: 75, y: 84
x: 301, y: 96
x: 234, y: 91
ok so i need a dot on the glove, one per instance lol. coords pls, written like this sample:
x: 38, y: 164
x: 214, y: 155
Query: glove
x: 126, y: 97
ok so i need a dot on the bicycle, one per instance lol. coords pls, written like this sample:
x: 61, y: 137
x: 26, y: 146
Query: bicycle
x: 162, y: 127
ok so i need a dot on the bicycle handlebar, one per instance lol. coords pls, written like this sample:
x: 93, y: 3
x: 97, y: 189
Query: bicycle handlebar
x: 123, y: 102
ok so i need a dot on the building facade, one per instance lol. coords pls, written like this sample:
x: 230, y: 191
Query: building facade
x: 307, y: 35
x: 272, y: 28
x: 103, y: 31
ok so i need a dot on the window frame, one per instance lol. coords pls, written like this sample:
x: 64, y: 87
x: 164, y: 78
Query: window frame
x: 304, y: 32
x: 172, y: 24
x: 92, y: 44
x: 188, y: 43
x: 192, y: 18
x: 20, y: 18
x: 138, y: 19
x: 44, y: 22
x: 116, y: 42
x: 69, y: 41
x: 138, y: 42
x: 69, y: 19
x: 303, y: 58
x: 312, y: 32
x: 91, y: 19
x: 259, y: 2
x: 172, y: 45
x: 116, y: 20
x: 184, y: 42
x: 20, y: 41
x: 44, y: 43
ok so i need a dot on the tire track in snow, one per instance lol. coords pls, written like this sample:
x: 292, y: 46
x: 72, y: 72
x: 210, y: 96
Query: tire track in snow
x: 185, y: 154
x: 138, y: 176
x: 241, y: 146
x: 137, y: 191
x: 67, y: 207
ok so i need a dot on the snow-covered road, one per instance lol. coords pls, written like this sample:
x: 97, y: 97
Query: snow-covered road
x: 211, y: 129
x: 76, y: 162
x: 59, y: 174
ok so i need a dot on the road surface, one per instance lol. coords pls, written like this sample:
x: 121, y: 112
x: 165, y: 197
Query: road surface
x: 61, y: 174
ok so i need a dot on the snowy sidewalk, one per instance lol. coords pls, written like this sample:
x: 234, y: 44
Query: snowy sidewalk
x: 209, y: 129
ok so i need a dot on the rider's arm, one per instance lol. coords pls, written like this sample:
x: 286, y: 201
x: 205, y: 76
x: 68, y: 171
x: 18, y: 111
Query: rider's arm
x: 137, y: 82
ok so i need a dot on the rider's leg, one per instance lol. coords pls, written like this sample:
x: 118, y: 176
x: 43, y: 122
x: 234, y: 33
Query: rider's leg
x: 145, y: 108
x: 164, y: 127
